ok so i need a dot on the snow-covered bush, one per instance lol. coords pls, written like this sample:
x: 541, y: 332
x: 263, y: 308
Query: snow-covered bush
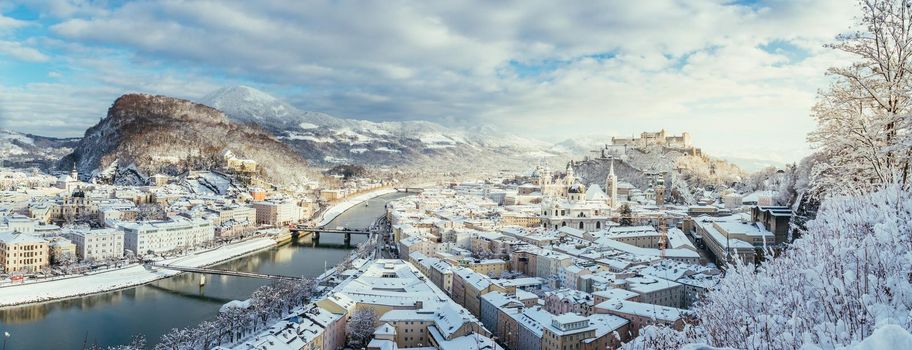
x: 850, y: 273
x: 267, y: 304
x: 360, y: 326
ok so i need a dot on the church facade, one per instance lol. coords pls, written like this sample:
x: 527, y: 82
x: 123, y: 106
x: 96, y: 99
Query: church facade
x: 569, y: 203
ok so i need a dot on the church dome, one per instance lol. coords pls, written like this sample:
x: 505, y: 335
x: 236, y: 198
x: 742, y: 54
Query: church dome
x: 576, y: 188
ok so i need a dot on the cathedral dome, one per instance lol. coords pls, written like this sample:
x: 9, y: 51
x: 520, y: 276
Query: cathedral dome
x: 576, y: 188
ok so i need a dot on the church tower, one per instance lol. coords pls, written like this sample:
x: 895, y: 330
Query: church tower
x: 545, y: 179
x: 611, y: 184
x: 569, y: 179
x: 660, y: 190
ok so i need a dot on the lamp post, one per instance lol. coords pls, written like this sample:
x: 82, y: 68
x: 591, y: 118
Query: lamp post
x: 6, y: 336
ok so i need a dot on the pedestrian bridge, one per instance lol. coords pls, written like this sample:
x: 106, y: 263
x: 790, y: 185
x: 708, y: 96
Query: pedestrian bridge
x: 225, y: 272
x: 301, y: 228
x: 410, y: 189
x: 316, y: 231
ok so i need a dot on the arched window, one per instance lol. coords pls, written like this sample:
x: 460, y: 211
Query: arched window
x: 563, y: 223
x: 581, y: 225
x: 598, y: 225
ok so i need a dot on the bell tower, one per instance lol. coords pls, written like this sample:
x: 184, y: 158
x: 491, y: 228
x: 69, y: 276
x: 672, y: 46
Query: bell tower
x: 611, y: 185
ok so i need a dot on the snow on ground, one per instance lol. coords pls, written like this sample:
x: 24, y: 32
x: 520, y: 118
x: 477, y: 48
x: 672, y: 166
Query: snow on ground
x: 221, y: 254
x: 342, y: 206
x: 331, y: 159
x: 121, y: 278
x: 886, y: 337
x: 539, y: 154
x: 438, y: 138
x: 311, y: 138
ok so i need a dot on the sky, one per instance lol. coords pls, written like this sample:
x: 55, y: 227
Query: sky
x: 740, y: 76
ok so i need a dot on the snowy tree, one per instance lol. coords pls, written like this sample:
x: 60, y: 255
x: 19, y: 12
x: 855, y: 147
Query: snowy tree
x: 626, y: 215
x: 137, y: 342
x: 482, y: 251
x: 850, y: 272
x: 267, y: 304
x: 863, y: 119
x: 680, y: 191
x: 151, y: 211
x: 176, y: 339
x: 360, y: 326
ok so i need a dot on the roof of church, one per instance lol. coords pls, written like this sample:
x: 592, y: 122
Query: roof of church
x: 576, y: 188
x: 595, y: 193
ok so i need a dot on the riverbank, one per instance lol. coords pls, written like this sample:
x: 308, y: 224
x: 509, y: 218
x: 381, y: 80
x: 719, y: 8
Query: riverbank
x: 329, y: 214
x: 130, y: 276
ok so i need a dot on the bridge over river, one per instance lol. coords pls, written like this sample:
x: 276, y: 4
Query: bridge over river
x: 301, y: 230
x: 212, y: 271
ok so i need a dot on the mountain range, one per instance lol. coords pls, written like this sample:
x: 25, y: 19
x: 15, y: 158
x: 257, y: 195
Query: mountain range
x: 145, y: 134
x: 325, y: 140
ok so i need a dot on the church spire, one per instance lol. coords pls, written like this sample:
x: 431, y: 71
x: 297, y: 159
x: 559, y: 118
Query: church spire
x: 74, y: 173
x: 611, y: 185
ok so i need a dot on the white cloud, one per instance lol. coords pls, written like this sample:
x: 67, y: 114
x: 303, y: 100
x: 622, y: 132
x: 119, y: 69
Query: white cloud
x: 680, y: 65
x: 18, y: 51
x: 7, y: 23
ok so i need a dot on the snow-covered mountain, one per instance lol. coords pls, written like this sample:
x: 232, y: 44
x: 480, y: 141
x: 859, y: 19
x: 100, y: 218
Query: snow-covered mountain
x: 325, y: 139
x: 25, y: 150
x: 143, y: 135
x: 581, y: 146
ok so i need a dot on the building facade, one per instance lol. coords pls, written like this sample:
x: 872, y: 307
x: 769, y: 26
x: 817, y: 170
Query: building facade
x: 21, y: 252
x: 98, y: 244
x: 162, y: 236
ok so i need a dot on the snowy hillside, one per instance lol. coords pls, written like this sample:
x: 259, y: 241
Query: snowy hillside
x: 324, y: 139
x: 24, y: 150
x: 143, y: 135
x: 581, y: 146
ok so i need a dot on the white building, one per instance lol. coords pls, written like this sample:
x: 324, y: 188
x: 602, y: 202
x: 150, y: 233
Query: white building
x: 162, y: 236
x: 100, y: 244
x: 277, y: 213
x: 70, y: 182
x: 18, y: 223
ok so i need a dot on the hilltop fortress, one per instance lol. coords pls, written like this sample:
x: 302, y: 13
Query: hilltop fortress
x: 659, y: 138
x: 682, y: 143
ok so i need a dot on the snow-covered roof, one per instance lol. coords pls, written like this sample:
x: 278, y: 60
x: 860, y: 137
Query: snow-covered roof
x: 653, y: 311
x: 595, y: 193
x: 385, y: 329
x: 10, y: 237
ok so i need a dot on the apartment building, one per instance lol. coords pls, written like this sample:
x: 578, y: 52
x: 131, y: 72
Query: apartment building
x: 161, y: 236
x: 97, y: 244
x: 20, y: 252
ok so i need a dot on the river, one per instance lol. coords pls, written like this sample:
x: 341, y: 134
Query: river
x: 153, y: 309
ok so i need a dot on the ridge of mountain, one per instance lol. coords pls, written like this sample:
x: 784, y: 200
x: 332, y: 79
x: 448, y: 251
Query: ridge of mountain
x: 148, y: 134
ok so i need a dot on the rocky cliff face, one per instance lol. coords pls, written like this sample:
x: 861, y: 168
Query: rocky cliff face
x: 158, y: 134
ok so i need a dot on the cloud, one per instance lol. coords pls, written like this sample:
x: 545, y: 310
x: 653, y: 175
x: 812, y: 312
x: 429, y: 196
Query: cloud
x: 18, y: 51
x: 7, y: 23
x: 735, y: 76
